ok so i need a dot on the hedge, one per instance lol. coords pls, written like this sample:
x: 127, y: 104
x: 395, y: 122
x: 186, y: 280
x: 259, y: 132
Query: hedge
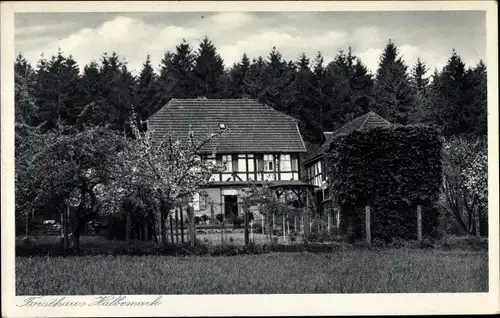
x: 392, y: 170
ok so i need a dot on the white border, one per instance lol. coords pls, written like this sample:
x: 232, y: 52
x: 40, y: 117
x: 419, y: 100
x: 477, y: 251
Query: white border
x: 209, y: 305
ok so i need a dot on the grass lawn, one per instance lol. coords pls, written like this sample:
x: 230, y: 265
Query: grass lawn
x: 358, y: 271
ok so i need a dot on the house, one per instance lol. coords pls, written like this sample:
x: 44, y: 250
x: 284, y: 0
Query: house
x: 258, y: 145
x: 315, y: 166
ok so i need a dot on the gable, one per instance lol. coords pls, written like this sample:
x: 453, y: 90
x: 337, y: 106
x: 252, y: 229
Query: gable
x: 367, y: 121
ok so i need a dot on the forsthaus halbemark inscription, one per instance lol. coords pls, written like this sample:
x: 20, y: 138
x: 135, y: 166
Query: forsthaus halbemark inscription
x: 121, y: 301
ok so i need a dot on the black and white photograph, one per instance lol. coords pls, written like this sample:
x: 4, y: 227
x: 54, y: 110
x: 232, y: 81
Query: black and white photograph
x: 249, y: 150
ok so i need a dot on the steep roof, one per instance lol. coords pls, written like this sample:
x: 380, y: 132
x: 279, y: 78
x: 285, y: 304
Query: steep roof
x: 250, y: 126
x: 364, y: 122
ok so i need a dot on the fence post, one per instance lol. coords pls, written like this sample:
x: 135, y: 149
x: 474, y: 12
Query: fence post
x: 419, y: 222
x: 273, y: 223
x: 478, y: 225
x: 177, y: 226
x: 182, y: 223
x: 284, y: 229
x: 245, y: 212
x: 367, y: 225
x: 295, y: 223
x: 263, y: 224
x: 171, y: 228
x: 192, y: 232
x: 251, y: 232
x: 328, y: 214
x: 307, y: 223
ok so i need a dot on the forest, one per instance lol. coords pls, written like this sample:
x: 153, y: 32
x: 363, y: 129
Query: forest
x: 59, y: 103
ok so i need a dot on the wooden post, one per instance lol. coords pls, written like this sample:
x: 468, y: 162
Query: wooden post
x: 177, y: 226
x: 273, y: 222
x: 245, y: 217
x: 263, y: 224
x: 192, y: 230
x: 328, y: 214
x: 284, y: 229
x: 171, y: 229
x: 307, y: 223
x: 419, y: 222
x: 212, y: 214
x: 295, y: 224
x: 367, y: 225
x: 288, y: 227
x: 478, y: 225
x: 182, y: 224
x: 222, y: 228
x: 251, y: 232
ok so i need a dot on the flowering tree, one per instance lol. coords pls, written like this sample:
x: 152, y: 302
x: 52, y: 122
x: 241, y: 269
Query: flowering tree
x: 465, y: 187
x: 171, y: 167
x: 76, y: 169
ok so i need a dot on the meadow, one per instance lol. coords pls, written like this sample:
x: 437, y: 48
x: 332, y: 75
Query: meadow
x: 400, y: 270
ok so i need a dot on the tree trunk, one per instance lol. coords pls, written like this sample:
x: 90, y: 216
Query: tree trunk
x: 182, y: 224
x: 177, y: 226
x: 172, y: 229
x: 27, y: 225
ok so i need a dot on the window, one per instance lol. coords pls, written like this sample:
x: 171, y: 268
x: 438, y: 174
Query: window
x: 268, y: 162
x: 210, y: 161
x: 227, y: 163
x: 242, y: 163
x: 285, y: 163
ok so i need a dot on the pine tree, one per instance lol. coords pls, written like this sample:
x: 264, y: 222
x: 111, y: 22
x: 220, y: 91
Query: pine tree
x: 146, y: 98
x: 237, y: 75
x: 449, y: 103
x: 351, y: 88
x: 393, y: 95
x: 474, y: 117
x: 276, y: 76
x: 25, y: 89
x: 58, y: 95
x: 302, y: 99
x: 181, y: 80
x: 420, y: 85
x: 209, y: 66
x: 254, y: 78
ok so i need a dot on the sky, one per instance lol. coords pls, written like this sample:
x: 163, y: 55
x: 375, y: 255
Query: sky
x: 429, y: 35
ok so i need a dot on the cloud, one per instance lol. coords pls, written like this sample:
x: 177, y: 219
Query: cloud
x: 233, y: 33
x: 129, y: 37
x: 409, y: 54
x: 231, y: 19
x: 371, y: 58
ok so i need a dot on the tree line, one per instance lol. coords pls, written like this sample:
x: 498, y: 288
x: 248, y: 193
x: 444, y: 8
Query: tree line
x: 321, y: 94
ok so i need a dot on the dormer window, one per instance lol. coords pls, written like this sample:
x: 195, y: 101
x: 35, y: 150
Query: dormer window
x: 222, y: 126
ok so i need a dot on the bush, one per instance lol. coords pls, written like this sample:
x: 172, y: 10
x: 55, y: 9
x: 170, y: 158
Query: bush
x: 393, y: 170
x: 219, y: 217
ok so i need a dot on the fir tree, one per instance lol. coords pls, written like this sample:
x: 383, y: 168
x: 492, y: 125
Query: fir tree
x: 393, y: 95
x: 209, y: 66
x: 146, y: 100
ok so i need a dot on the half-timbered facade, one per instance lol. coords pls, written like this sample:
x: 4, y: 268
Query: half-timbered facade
x: 258, y: 145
